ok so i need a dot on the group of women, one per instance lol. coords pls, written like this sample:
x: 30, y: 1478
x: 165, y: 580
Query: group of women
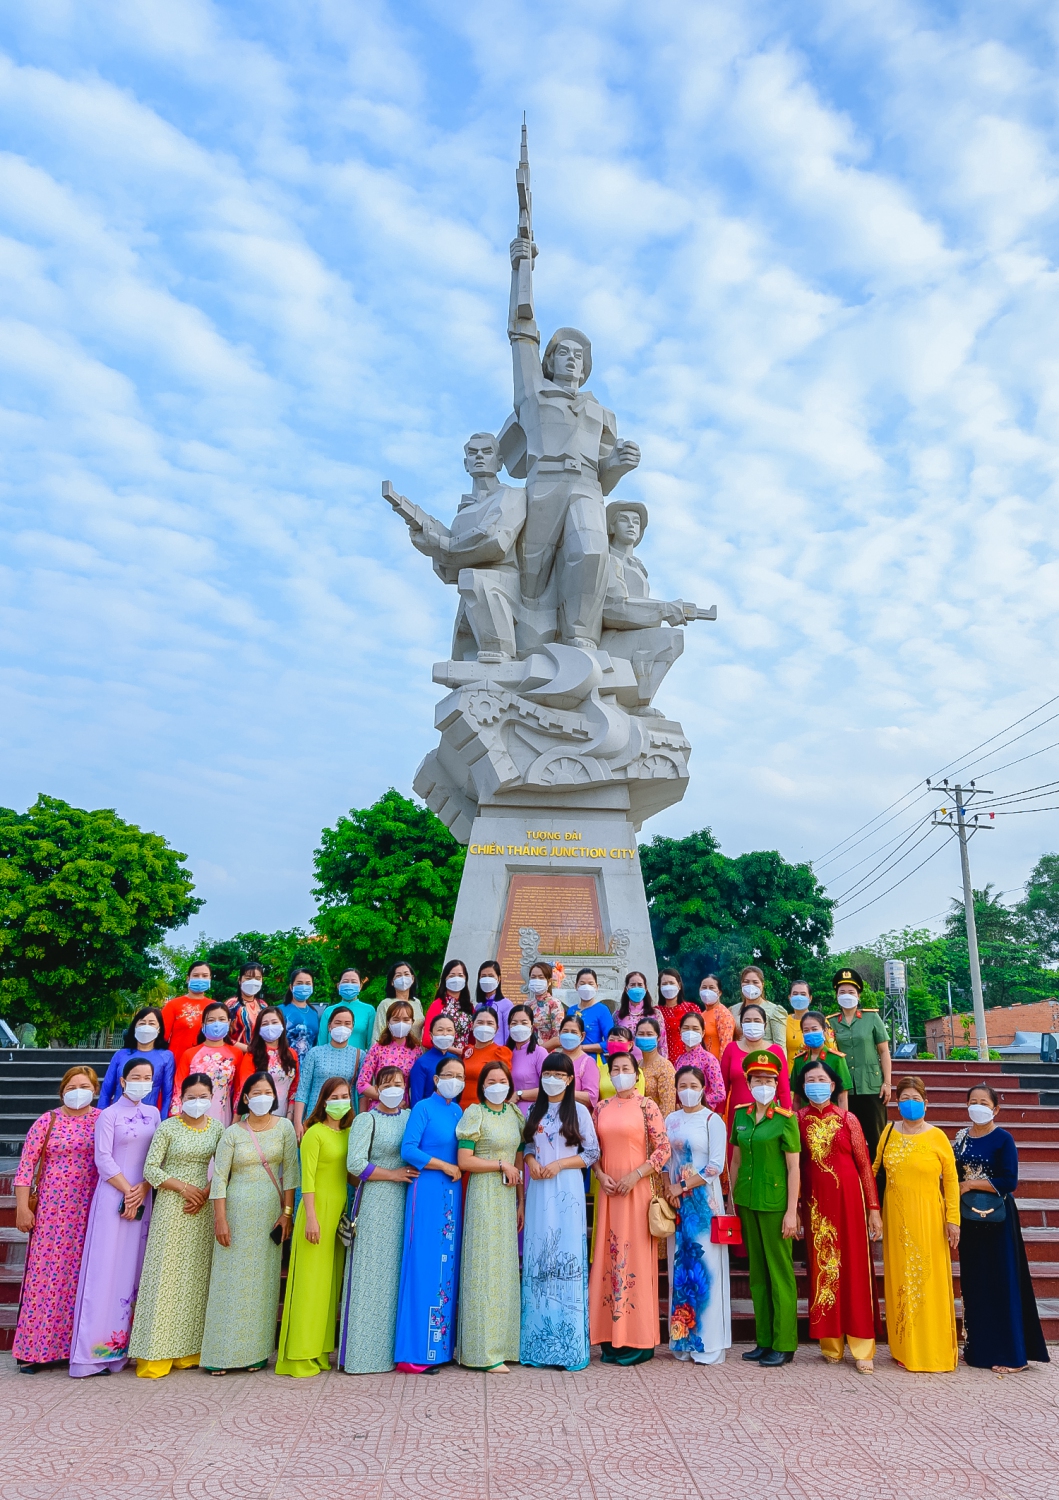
x: 432, y: 1170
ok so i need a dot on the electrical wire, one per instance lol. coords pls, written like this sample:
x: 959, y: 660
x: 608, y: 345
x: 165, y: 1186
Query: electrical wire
x: 834, y: 879
x: 883, y: 868
x: 843, y: 915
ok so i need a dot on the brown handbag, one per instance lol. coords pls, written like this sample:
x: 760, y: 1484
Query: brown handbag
x: 38, y: 1171
x: 661, y: 1216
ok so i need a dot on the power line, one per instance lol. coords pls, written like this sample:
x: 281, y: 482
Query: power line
x: 893, y: 887
x: 884, y: 869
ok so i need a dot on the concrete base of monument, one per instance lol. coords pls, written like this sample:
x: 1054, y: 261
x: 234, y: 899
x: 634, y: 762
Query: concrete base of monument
x: 563, y: 887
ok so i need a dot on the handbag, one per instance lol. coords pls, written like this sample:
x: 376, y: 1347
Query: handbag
x: 347, y: 1224
x: 725, y: 1229
x: 880, y: 1176
x: 275, y: 1234
x: 981, y: 1207
x: 34, y: 1190
x: 661, y: 1215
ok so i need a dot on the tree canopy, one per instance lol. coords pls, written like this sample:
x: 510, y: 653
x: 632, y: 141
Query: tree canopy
x: 276, y: 952
x: 84, y: 899
x: 714, y: 914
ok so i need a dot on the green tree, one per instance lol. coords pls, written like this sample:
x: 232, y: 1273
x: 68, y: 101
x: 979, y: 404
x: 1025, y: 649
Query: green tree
x: 928, y: 961
x: 388, y: 876
x: 276, y: 952
x: 1007, y: 951
x: 1039, y: 908
x: 712, y: 913
x: 84, y: 899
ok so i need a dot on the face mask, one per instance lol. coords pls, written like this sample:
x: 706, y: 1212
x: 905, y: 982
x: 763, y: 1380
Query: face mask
x: 392, y: 1097
x: 455, y: 983
x: 623, y: 1081
x: 813, y: 1039
x: 752, y: 991
x: 670, y: 991
x: 488, y: 983
x: 848, y: 1001
x: 537, y: 986
x: 260, y: 1104
x: 348, y: 991
x: 753, y: 1030
x: 691, y: 1038
x: 912, y: 1109
x: 709, y: 997
x: 980, y: 1114
x: 764, y: 1093
x: 690, y: 1097
x: 636, y: 992
x: 800, y: 1002
x: 520, y: 1033
x: 586, y: 992
x: 554, y: 1084
x: 400, y: 1028
x: 484, y: 1033
x: 337, y: 1108
x: 146, y: 1032
x: 250, y: 986
x: 570, y: 1039
x: 272, y: 1032
x: 341, y: 1034
x: 198, y: 985
x: 402, y: 982
x: 449, y: 1088
x: 215, y: 1031
x: 301, y: 991
x: 195, y: 1108
x: 817, y: 1090
x: 496, y: 1093
x: 647, y: 1043
x: 444, y: 1043
x: 138, y: 1088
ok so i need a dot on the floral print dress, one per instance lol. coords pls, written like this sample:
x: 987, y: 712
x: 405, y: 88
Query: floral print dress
x: 700, y: 1305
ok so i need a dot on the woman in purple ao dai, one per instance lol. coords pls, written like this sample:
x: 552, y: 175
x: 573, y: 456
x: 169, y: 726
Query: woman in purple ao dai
x: 116, y: 1240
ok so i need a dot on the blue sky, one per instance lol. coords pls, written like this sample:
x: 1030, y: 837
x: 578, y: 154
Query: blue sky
x: 253, y: 259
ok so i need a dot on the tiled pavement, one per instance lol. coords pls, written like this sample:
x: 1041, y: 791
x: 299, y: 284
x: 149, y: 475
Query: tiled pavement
x: 663, y: 1430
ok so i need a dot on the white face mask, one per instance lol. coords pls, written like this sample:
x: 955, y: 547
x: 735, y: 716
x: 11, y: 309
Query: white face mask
x: 138, y: 1088
x: 690, y: 1097
x: 800, y: 1002
x: 272, y: 1032
x: 77, y: 1098
x: 400, y: 1028
x: 496, y: 1093
x: 669, y: 991
x: 445, y: 1042
x: 195, y: 1108
x: 764, y: 1093
x: 260, y: 1104
x: 554, y: 1084
x: 586, y: 992
x: 488, y: 983
x: 484, y: 1033
x: 691, y: 1038
x: 623, y: 1081
x: 341, y: 1033
x: 146, y: 1032
x: 392, y: 1096
x: 751, y: 991
x: 709, y: 997
x: 402, y: 982
x: 250, y: 986
x: 536, y: 986
x: 520, y: 1033
x: 980, y: 1114
x: 847, y: 1000
x: 449, y: 1088
x: 455, y: 983
x: 753, y: 1030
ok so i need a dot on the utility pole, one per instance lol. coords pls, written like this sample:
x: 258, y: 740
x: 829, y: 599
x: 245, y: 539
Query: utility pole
x: 958, y: 820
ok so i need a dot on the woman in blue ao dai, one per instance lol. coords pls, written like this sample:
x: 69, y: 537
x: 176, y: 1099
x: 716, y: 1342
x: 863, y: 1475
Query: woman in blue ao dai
x: 700, y: 1307
x: 430, y: 1263
x: 560, y: 1143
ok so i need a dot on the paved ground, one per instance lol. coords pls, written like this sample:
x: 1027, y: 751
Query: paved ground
x: 664, y: 1430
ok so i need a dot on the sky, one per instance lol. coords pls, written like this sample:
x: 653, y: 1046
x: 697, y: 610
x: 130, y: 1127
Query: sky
x: 253, y: 261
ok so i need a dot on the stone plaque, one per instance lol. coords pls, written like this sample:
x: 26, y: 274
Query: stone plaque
x: 561, y: 910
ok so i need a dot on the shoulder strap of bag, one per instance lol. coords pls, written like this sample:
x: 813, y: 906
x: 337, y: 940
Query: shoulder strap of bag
x: 360, y: 1185
x: 261, y: 1158
x: 34, y: 1189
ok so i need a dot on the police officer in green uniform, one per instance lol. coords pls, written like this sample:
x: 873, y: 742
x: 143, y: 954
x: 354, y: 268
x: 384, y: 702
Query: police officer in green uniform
x: 861, y: 1037
x: 815, y: 1049
x: 765, y: 1172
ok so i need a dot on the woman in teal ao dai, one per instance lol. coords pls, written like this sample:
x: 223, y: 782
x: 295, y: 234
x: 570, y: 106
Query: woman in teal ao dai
x: 700, y: 1307
x: 560, y: 1142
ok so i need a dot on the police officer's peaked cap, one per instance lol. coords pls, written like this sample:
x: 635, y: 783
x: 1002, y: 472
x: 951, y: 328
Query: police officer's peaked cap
x: 761, y: 1061
x: 849, y: 976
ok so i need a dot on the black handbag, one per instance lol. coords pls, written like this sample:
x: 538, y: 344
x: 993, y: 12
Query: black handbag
x: 978, y: 1207
x: 880, y: 1176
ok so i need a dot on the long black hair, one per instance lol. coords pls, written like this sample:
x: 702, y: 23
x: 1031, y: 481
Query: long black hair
x: 555, y: 1062
x: 463, y: 1000
x: 480, y: 997
x: 243, y: 1107
x: 408, y: 994
x: 648, y: 1003
x: 259, y: 1047
x: 527, y: 1011
x: 129, y: 1039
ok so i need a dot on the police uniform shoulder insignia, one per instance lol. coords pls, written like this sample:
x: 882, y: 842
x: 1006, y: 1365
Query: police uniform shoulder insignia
x: 781, y: 1111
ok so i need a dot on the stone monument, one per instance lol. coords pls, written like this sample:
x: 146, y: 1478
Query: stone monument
x: 552, y: 753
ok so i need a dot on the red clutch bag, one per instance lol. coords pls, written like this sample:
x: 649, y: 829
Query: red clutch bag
x: 725, y: 1229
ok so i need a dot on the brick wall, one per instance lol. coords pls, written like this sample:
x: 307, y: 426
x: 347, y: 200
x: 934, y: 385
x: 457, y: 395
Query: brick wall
x: 1001, y: 1022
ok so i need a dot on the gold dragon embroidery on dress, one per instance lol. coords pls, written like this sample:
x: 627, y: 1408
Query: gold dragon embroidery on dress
x: 828, y: 1260
x: 820, y: 1132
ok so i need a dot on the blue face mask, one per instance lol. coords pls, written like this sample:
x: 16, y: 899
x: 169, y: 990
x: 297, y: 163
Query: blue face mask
x: 647, y: 1043
x: 198, y: 985
x: 215, y: 1031
x: 911, y: 1108
x: 301, y: 991
x: 817, y: 1090
x: 348, y: 991
x: 813, y: 1039
x: 636, y: 992
x: 570, y: 1039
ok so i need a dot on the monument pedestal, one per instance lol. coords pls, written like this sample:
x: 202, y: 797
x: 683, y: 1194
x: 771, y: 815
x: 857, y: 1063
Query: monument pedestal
x: 562, y: 886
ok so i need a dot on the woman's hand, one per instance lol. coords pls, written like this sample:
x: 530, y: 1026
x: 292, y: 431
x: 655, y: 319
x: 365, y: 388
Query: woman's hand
x: 510, y: 1173
x: 25, y: 1219
x: 874, y: 1224
x: 133, y: 1198
x: 312, y: 1227
x: 221, y: 1232
x: 606, y: 1182
x: 790, y: 1224
x: 691, y: 1179
x: 628, y: 1182
x: 977, y: 1185
x: 800, y: 1235
x: 194, y: 1198
x: 284, y: 1221
x: 551, y: 1170
x: 673, y: 1191
x: 536, y: 1171
x: 452, y: 1171
x: 520, y: 1215
x: 953, y: 1231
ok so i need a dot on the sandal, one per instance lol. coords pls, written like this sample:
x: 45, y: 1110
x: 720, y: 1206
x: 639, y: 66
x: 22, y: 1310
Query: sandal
x: 865, y: 1366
